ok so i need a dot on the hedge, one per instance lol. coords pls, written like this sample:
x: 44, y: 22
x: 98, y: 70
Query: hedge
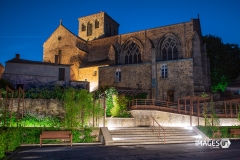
x: 11, y: 138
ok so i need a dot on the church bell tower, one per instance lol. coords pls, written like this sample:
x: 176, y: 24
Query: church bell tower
x: 97, y: 26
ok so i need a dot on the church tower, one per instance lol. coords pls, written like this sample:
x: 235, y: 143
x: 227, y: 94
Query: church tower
x: 97, y: 26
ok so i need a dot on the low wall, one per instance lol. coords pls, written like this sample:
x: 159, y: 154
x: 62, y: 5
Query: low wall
x: 164, y: 118
x: 142, y: 118
x: 39, y: 106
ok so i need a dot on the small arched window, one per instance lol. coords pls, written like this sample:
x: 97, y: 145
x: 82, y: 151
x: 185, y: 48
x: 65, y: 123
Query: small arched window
x: 83, y: 27
x: 118, y: 75
x: 164, y: 71
x: 89, y: 29
x: 96, y: 24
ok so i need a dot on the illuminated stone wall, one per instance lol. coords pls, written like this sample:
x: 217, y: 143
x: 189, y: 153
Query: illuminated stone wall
x: 1, y: 70
x: 69, y: 48
x: 105, y: 26
x: 89, y: 74
x: 136, y: 76
x: 187, y: 75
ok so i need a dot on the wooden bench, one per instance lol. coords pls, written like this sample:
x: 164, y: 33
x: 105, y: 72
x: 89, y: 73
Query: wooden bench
x: 234, y: 132
x: 56, y: 135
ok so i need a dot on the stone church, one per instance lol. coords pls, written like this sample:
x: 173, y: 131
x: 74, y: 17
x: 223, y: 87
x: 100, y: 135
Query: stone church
x: 166, y: 62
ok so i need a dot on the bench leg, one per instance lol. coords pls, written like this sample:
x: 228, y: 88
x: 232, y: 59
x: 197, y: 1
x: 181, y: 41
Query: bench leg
x: 40, y: 142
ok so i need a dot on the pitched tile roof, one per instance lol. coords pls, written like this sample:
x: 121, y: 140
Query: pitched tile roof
x: 96, y: 63
x: 18, y: 60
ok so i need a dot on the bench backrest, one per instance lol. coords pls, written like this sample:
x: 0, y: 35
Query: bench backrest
x: 56, y: 134
x: 235, y: 130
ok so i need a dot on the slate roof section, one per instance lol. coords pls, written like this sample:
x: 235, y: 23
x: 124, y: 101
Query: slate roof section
x: 17, y: 60
x: 96, y: 63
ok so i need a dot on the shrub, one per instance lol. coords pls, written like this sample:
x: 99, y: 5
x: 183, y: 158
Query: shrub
x: 11, y: 138
x: 109, y: 100
x: 3, y: 143
x: 225, y: 130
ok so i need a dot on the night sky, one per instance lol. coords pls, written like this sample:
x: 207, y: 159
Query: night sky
x: 26, y: 24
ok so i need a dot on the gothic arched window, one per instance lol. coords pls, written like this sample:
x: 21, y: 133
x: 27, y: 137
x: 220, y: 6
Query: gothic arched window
x: 132, y: 53
x: 83, y: 27
x: 118, y: 75
x: 164, y: 71
x: 96, y: 24
x: 89, y: 29
x: 169, y: 50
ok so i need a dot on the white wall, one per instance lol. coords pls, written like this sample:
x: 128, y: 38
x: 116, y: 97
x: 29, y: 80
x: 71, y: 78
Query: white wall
x: 25, y: 73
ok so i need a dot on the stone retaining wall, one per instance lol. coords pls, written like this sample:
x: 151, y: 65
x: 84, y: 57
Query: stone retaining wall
x: 142, y: 118
x: 38, y: 106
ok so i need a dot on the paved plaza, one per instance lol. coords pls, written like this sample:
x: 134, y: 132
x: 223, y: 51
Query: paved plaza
x: 139, y: 152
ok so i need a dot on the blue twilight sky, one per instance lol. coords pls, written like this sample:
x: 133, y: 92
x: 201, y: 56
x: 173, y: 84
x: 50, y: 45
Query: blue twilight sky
x: 26, y: 24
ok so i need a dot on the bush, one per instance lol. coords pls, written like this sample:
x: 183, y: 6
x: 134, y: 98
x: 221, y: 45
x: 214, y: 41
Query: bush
x: 109, y: 100
x: 225, y: 130
x: 11, y: 138
x: 3, y: 143
x: 120, y: 106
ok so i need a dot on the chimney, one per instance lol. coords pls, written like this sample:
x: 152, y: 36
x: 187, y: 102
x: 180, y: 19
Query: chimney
x: 17, y: 56
x: 56, y: 59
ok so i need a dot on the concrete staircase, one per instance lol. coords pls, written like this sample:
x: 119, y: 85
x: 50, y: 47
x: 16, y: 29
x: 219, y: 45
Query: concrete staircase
x: 144, y: 135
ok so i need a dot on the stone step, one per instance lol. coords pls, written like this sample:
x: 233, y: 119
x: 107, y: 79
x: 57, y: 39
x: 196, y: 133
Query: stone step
x: 148, y: 131
x: 151, y: 132
x: 149, y: 128
x: 155, y: 140
x: 154, y: 136
x: 151, y: 142
x: 145, y: 135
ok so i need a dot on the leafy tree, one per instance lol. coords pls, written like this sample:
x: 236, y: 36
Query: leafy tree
x: 224, y: 61
x: 109, y: 100
x: 122, y: 102
x: 115, y: 111
x: 78, y: 106
x: 4, y: 83
x: 84, y: 101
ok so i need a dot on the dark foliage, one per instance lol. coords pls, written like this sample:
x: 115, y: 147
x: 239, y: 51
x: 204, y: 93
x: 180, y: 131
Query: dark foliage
x: 224, y: 61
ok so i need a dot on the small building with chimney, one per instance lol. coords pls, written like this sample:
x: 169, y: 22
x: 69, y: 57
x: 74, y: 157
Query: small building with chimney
x: 27, y: 74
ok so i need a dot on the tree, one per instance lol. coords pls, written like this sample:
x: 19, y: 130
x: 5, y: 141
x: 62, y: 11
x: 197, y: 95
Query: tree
x: 4, y: 83
x: 78, y: 106
x: 224, y: 61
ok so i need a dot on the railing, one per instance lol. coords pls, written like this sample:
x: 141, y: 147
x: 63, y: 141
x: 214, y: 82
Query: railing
x: 224, y: 110
x: 152, y: 102
x: 158, y: 129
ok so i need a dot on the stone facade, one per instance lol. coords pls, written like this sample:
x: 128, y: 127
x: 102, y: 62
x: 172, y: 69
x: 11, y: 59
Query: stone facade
x: 1, y: 70
x: 90, y: 74
x: 70, y: 49
x: 97, y: 26
x: 168, y: 62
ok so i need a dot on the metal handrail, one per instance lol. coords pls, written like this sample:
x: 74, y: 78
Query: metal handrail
x: 158, y: 130
x: 136, y: 102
